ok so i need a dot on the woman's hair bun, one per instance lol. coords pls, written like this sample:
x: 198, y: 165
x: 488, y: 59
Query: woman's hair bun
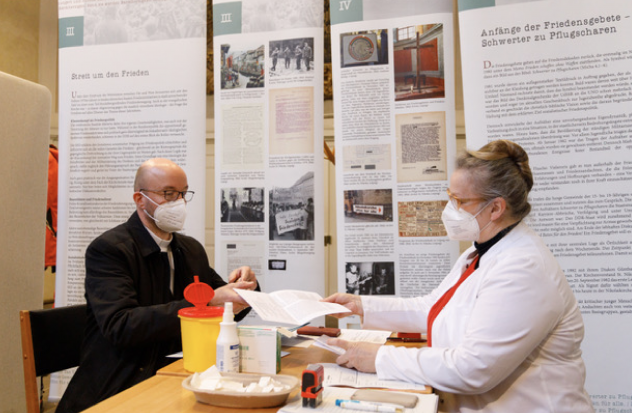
x: 503, y: 148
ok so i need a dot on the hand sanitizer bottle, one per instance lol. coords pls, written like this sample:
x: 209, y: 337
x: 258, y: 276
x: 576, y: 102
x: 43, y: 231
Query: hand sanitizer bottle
x: 228, y: 342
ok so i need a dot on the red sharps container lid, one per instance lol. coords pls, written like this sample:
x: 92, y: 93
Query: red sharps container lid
x: 200, y: 294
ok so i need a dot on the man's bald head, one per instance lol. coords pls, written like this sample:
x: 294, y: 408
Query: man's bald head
x: 154, y: 171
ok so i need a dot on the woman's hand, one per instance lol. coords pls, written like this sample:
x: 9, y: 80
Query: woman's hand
x: 351, y: 301
x: 358, y: 355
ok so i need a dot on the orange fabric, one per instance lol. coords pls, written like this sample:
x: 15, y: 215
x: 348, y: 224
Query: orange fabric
x: 51, y: 208
x: 443, y: 301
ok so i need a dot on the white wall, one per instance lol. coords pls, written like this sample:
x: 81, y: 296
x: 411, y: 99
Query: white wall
x: 24, y: 128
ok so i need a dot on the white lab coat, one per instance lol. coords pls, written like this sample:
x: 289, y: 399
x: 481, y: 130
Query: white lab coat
x: 507, y: 342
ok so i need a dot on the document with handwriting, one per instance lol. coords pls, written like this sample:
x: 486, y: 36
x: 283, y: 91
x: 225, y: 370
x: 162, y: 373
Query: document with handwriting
x: 289, y: 306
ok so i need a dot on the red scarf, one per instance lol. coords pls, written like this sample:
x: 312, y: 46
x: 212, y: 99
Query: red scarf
x: 443, y: 301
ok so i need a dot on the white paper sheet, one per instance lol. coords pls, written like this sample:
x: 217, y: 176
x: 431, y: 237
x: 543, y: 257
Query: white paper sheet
x: 336, y: 375
x: 289, y: 306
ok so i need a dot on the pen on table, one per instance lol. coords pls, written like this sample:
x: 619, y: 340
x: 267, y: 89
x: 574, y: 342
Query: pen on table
x: 369, y: 406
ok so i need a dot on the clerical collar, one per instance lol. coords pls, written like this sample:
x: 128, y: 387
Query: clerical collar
x: 483, y: 247
x: 162, y: 243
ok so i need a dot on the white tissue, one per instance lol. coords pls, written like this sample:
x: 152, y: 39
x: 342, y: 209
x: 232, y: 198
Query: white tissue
x: 212, y: 380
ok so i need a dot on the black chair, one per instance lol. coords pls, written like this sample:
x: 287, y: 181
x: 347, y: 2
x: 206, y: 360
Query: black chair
x: 51, y: 342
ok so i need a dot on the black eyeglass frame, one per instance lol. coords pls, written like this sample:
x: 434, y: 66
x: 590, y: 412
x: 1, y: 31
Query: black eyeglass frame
x: 172, y: 195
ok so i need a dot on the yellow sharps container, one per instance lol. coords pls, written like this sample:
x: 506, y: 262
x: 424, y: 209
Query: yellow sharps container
x: 200, y: 327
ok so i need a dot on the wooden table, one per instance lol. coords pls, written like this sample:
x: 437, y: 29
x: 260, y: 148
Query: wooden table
x: 164, y: 393
x: 292, y: 364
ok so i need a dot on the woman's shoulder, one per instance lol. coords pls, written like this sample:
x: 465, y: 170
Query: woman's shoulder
x: 522, y: 251
x: 522, y: 237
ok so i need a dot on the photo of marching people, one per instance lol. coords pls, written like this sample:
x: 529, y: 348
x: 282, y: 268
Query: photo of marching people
x: 291, y: 57
x: 370, y: 278
x: 242, y: 205
x: 242, y: 67
x: 292, y: 211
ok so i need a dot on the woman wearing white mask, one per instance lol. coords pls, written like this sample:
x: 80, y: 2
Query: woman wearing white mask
x: 504, y: 328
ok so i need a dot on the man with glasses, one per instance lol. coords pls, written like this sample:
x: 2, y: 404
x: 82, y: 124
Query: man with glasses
x: 135, y: 277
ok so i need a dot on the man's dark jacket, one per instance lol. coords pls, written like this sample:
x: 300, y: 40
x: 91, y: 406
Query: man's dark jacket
x: 132, y: 315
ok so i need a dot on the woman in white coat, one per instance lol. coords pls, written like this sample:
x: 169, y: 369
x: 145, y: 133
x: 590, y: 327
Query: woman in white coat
x: 504, y: 328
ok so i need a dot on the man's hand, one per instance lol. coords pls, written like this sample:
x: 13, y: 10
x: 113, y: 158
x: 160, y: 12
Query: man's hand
x: 358, y: 355
x: 227, y: 293
x: 242, y: 278
x: 351, y: 301
x: 242, y: 274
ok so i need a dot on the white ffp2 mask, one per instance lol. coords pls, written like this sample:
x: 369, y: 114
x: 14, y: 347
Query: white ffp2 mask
x: 461, y: 225
x: 169, y: 216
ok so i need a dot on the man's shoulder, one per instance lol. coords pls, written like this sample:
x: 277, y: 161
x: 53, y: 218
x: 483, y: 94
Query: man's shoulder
x: 120, y: 234
x: 116, y: 235
x: 187, y: 241
x: 189, y: 247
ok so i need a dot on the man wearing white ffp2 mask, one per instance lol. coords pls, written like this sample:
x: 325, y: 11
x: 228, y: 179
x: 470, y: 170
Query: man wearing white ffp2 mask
x: 136, y: 274
x: 171, y: 215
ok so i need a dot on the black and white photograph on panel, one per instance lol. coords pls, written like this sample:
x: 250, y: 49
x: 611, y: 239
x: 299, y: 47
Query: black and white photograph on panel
x: 370, y: 278
x: 242, y: 205
x: 291, y: 57
x: 368, y: 205
x: 292, y: 210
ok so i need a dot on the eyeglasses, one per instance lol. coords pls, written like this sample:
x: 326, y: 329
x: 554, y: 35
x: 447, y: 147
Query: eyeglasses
x: 457, y: 202
x: 171, y: 195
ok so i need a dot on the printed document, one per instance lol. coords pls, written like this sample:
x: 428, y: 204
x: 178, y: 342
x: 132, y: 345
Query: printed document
x: 367, y: 336
x: 336, y: 375
x: 289, y: 306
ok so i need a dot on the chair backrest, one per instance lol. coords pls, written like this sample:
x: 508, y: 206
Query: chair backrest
x: 51, y: 342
